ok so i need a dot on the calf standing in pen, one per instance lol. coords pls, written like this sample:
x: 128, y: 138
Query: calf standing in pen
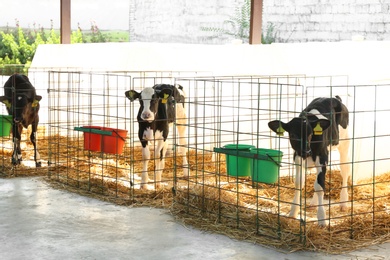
x: 321, y: 124
x: 160, y: 106
x: 22, y: 103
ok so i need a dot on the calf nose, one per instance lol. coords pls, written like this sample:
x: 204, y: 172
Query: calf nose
x: 146, y: 115
x: 17, y: 119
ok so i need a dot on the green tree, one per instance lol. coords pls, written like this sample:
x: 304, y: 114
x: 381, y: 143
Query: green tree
x: 238, y: 26
x: 77, y: 37
x: 18, y: 46
x: 96, y: 34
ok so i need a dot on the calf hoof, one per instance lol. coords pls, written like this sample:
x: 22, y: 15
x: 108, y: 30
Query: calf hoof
x: 38, y: 164
x: 322, y: 223
x: 16, y: 162
x: 144, y: 187
x: 343, y: 207
x: 294, y: 212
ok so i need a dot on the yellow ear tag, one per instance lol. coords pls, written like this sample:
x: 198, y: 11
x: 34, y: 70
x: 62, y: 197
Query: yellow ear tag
x: 164, y: 100
x: 7, y: 103
x: 280, y: 131
x: 34, y: 103
x: 318, y: 129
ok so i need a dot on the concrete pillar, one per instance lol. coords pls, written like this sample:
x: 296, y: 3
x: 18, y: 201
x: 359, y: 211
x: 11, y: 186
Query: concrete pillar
x: 256, y: 21
x: 65, y: 21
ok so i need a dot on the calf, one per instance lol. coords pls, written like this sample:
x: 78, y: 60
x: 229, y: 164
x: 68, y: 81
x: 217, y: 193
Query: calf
x: 160, y: 106
x: 321, y: 124
x: 22, y: 103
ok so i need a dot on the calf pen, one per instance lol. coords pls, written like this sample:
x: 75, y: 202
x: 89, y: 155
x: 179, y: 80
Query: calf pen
x: 248, y: 195
x: 242, y: 175
x: 27, y: 166
x: 93, y: 135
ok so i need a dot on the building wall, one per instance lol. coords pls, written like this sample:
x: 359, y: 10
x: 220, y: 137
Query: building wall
x: 293, y: 20
x: 178, y: 20
x: 328, y: 20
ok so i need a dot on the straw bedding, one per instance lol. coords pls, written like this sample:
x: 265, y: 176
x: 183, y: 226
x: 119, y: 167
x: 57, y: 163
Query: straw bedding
x: 224, y: 212
x: 216, y: 202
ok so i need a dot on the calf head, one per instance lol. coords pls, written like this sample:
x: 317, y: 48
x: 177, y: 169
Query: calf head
x: 149, y: 99
x: 301, y: 131
x: 18, y: 107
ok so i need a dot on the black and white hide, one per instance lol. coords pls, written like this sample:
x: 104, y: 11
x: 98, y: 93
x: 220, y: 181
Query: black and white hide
x: 160, y: 106
x: 22, y: 103
x: 321, y: 124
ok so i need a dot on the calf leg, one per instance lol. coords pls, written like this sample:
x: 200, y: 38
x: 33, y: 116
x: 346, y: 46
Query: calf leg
x: 345, y: 166
x: 159, y: 154
x: 33, y: 139
x: 345, y: 170
x: 181, y: 125
x: 145, y: 161
x: 181, y: 128
x: 17, y: 152
x: 300, y: 165
x: 319, y: 188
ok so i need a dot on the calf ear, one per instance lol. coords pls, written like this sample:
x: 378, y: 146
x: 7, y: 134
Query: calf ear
x: 319, y: 125
x: 6, y: 102
x: 177, y: 95
x: 132, y: 95
x: 36, y: 101
x: 278, y: 127
x: 343, y: 116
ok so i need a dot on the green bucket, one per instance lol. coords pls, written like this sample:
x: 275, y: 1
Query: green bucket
x: 266, y: 165
x: 238, y: 166
x: 5, y: 125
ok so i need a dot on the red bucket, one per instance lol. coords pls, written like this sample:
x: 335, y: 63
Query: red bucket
x: 92, y: 141
x: 103, y: 139
x: 113, y: 144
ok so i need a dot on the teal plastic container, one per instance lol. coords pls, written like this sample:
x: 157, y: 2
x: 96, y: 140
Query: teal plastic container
x: 5, y: 125
x: 266, y: 164
x: 236, y: 165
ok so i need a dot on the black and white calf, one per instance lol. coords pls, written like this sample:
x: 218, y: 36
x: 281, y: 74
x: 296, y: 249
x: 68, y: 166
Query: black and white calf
x: 22, y: 103
x: 321, y: 124
x: 160, y: 106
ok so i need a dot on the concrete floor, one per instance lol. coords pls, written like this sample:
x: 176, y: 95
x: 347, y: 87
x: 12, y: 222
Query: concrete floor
x: 39, y: 222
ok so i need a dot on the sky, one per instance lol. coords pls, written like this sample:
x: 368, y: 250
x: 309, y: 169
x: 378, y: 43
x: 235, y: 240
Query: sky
x: 108, y: 14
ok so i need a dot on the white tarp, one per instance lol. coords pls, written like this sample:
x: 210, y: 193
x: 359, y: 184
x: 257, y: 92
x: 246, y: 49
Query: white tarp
x: 362, y: 62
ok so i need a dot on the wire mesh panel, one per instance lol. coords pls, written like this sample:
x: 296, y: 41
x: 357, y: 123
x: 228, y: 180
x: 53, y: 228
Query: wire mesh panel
x: 93, y: 134
x: 86, y: 132
x: 243, y: 174
x: 27, y: 166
